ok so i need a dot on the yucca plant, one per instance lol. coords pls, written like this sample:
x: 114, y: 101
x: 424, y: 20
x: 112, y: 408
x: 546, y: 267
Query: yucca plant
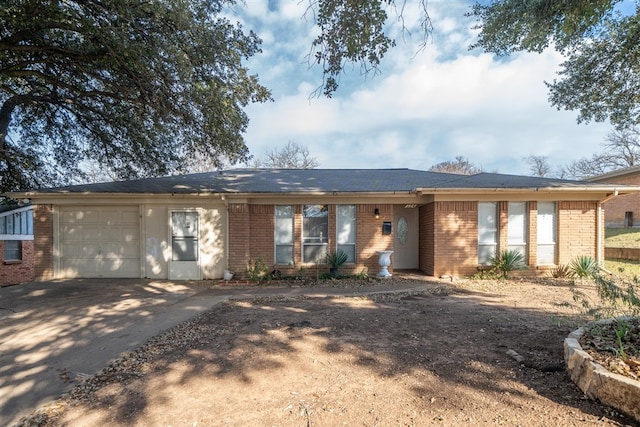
x: 336, y: 260
x: 584, y: 267
x: 563, y: 271
x: 508, y: 261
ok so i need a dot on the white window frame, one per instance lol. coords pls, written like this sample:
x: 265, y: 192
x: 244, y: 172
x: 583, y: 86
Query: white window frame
x: 346, y: 230
x: 282, y: 237
x: 517, y: 226
x: 17, y: 224
x: 320, y: 241
x: 189, y: 235
x: 488, y: 223
x: 547, y: 226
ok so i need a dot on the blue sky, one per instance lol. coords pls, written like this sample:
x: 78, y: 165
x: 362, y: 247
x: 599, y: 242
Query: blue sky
x: 423, y: 108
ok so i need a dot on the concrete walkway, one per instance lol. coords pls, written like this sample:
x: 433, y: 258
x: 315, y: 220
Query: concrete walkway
x: 54, y: 333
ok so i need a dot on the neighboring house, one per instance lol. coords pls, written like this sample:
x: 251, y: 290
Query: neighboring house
x: 624, y: 210
x: 16, y: 246
x: 196, y: 226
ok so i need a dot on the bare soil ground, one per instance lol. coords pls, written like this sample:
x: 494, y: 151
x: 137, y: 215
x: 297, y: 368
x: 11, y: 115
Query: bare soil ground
x: 444, y: 357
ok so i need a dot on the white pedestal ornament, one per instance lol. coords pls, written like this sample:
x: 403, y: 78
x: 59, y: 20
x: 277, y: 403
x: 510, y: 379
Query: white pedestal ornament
x: 384, y: 261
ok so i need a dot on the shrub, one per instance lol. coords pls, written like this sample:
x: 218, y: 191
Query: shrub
x: 507, y: 261
x: 257, y: 270
x: 336, y: 260
x: 561, y: 272
x: 584, y: 267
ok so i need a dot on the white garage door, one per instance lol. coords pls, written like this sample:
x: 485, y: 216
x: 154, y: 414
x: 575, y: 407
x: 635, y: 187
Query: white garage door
x: 100, y: 241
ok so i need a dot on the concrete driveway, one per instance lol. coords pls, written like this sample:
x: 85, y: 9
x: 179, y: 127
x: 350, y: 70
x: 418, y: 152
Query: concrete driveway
x: 54, y: 332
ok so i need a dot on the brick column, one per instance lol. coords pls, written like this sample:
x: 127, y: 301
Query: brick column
x: 239, y: 237
x: 43, y: 241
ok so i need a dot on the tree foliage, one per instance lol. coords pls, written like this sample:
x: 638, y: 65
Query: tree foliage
x: 461, y: 166
x: 137, y: 85
x: 291, y: 156
x: 353, y: 31
x: 601, y: 76
x: 621, y: 149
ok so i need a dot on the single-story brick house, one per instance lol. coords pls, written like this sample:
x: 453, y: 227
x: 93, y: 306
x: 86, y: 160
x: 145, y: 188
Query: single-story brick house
x: 622, y: 211
x: 196, y: 226
x: 16, y: 245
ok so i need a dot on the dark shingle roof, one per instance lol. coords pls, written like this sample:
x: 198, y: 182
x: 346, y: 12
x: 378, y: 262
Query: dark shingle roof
x: 317, y: 181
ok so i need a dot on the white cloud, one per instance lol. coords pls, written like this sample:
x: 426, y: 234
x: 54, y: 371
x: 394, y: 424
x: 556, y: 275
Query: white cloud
x: 424, y: 109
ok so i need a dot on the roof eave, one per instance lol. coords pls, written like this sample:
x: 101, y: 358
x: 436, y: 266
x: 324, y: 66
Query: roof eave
x: 580, y: 189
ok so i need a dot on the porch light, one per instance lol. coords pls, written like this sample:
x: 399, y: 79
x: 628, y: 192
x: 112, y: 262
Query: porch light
x: 376, y: 212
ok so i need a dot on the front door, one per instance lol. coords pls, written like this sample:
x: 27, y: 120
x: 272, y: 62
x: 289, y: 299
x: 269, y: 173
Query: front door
x: 185, y: 246
x: 406, y: 238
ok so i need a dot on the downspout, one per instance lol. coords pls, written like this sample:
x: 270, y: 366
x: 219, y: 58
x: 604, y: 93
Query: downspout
x: 600, y: 230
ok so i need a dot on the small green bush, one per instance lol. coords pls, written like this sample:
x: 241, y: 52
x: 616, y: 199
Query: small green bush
x: 337, y: 259
x: 257, y: 270
x: 584, y: 267
x: 507, y: 261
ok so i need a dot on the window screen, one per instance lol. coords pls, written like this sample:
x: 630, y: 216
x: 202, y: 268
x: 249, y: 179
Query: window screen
x: 487, y: 231
x: 284, y: 234
x: 346, y: 230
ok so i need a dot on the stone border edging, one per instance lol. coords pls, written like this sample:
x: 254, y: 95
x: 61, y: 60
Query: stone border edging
x: 614, y: 390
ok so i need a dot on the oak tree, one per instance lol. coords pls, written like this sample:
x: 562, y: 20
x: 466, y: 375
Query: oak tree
x: 136, y: 85
x: 599, y: 38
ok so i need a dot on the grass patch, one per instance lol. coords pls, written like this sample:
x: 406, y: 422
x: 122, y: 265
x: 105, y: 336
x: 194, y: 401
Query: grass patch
x: 625, y: 268
x: 622, y: 237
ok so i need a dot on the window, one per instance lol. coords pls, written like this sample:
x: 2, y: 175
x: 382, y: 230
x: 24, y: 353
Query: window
x: 12, y: 250
x: 487, y: 231
x: 628, y: 219
x: 517, y: 228
x: 284, y: 234
x: 19, y: 222
x: 184, y: 236
x: 346, y: 230
x: 547, y: 225
x: 315, y: 232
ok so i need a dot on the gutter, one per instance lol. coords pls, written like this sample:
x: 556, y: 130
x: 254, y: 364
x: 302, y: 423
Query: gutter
x: 587, y: 189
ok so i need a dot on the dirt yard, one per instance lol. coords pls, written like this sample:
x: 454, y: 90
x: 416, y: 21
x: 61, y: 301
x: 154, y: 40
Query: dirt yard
x: 445, y: 357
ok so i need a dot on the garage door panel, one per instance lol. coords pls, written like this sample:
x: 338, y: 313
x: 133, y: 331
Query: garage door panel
x: 121, y: 268
x: 91, y: 232
x: 119, y: 250
x: 79, y: 268
x: 71, y: 233
x: 100, y: 241
x: 81, y: 250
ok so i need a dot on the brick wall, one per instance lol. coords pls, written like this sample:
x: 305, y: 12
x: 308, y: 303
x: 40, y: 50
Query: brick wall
x: 449, y: 235
x: 614, y: 209
x: 251, y: 237
x: 239, y: 237
x: 427, y: 239
x: 261, y: 225
x: 43, y: 243
x: 455, y: 238
x: 14, y: 272
x: 577, y: 222
x: 369, y: 237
